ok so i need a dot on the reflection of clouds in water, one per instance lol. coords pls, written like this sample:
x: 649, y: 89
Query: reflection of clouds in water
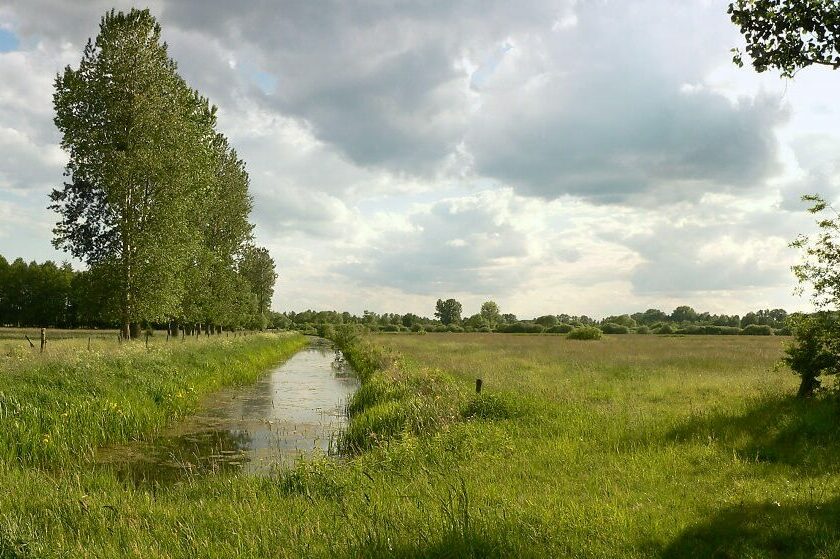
x: 299, y: 408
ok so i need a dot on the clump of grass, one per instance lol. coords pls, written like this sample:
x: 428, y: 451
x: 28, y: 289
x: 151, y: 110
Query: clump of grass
x: 493, y: 406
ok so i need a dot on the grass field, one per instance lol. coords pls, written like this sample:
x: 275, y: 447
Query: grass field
x: 631, y: 446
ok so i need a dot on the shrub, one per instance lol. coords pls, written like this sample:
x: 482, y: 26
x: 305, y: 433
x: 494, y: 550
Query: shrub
x: 560, y: 329
x: 664, y: 329
x: 521, y: 328
x: 612, y: 328
x: 757, y: 330
x: 417, y: 328
x: 814, y: 349
x: 454, y: 328
x: 643, y: 330
x: 584, y: 333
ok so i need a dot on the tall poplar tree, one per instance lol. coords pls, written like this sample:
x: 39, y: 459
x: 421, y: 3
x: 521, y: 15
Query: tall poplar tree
x: 136, y: 137
x: 257, y: 267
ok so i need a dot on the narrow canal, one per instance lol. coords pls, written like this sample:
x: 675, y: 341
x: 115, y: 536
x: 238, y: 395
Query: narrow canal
x: 297, y: 409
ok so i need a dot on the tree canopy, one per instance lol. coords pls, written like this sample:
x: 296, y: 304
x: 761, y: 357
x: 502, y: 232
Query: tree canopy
x: 449, y: 311
x: 156, y: 199
x: 787, y: 35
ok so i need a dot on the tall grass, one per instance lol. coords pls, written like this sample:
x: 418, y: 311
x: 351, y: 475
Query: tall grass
x: 630, y: 446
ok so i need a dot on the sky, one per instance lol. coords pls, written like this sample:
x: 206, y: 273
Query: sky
x: 585, y: 157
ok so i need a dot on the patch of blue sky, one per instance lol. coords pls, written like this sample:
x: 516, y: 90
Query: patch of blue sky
x: 8, y: 40
x: 265, y: 81
x: 484, y: 72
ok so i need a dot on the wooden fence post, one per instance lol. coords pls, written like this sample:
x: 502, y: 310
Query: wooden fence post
x: 478, y: 386
x: 43, y: 339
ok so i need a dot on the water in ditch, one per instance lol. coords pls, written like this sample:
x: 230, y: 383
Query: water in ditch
x: 298, y: 409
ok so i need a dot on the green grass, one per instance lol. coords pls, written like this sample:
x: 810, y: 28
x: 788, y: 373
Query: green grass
x: 630, y: 446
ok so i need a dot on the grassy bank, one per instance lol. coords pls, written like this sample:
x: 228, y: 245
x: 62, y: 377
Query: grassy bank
x: 629, y: 446
x: 57, y: 408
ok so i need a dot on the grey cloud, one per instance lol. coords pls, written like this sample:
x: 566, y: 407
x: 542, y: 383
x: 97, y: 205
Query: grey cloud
x: 674, y: 263
x: 611, y: 115
x: 379, y: 82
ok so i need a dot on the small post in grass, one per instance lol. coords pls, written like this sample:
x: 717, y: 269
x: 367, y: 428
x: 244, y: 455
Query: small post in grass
x: 147, y: 339
x: 88, y: 343
x: 478, y: 386
x: 28, y: 340
x: 43, y: 339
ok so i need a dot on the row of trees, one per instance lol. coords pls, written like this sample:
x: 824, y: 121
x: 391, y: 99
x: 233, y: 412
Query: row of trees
x: 447, y: 318
x: 51, y: 295
x: 156, y: 202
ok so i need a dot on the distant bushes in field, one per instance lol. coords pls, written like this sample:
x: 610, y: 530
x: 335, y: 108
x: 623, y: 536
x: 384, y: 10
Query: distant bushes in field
x: 664, y: 329
x: 560, y: 329
x: 613, y: 328
x: 757, y: 330
x: 710, y: 330
x: 643, y: 330
x: 521, y: 328
x: 585, y: 333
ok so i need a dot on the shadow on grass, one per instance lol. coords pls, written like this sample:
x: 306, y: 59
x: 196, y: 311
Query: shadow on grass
x: 491, y: 544
x: 791, y: 431
x: 764, y: 530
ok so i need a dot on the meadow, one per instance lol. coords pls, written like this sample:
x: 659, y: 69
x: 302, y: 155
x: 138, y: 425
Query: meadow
x: 629, y: 446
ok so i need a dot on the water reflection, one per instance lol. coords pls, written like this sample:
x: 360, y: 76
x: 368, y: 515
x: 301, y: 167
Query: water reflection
x: 297, y: 409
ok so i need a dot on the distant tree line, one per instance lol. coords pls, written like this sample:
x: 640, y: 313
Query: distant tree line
x: 447, y: 318
x: 56, y: 296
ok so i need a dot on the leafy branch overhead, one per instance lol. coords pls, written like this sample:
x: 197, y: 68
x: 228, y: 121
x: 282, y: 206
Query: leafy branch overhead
x: 788, y: 35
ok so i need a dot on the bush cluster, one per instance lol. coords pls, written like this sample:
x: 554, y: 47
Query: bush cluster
x: 585, y: 333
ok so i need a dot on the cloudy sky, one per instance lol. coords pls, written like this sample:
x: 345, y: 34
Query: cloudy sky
x: 589, y: 156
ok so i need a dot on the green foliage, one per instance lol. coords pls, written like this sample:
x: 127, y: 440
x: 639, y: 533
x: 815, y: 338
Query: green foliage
x: 757, y: 330
x: 157, y: 201
x: 449, y: 311
x: 684, y: 314
x: 257, y: 267
x: 521, y: 328
x: 546, y: 321
x: 642, y: 330
x: 623, y: 320
x: 664, y: 329
x: 560, y: 329
x: 697, y: 329
x: 491, y: 313
x: 788, y: 34
x: 585, y: 333
x: 814, y: 350
x: 610, y: 328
